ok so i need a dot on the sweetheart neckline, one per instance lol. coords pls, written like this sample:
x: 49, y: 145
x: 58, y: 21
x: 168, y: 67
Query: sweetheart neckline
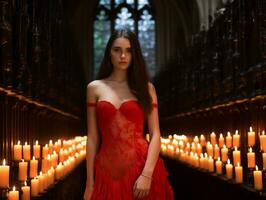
x: 121, y: 104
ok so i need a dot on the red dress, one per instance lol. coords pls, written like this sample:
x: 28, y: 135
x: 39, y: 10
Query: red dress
x: 123, y: 153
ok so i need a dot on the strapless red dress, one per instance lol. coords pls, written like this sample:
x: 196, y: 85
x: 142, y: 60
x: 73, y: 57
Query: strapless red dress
x: 123, y: 153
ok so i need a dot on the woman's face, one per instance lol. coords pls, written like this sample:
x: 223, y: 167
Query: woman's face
x: 121, y: 55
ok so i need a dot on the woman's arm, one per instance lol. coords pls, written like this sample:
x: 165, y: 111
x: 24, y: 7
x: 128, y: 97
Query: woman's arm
x: 92, y: 138
x: 154, y: 130
x: 143, y: 183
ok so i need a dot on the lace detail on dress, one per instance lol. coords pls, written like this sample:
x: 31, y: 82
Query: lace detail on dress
x: 118, y: 155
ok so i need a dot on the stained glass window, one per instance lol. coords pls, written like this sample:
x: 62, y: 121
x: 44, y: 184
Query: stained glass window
x: 135, y: 15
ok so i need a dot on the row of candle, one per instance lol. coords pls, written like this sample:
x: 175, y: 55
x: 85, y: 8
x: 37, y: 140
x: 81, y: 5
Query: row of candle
x: 180, y: 147
x: 70, y: 154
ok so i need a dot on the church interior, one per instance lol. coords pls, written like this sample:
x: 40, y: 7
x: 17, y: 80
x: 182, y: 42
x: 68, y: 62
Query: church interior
x: 206, y: 59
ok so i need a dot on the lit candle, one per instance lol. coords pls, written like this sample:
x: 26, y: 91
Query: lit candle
x: 257, y: 179
x: 51, y: 147
x: 25, y: 192
x: 251, y: 137
x: 202, y: 141
x: 209, y: 149
x: 216, y: 151
x: 17, y: 151
x: 251, y: 158
x: 22, y: 174
x: 263, y: 142
x: 13, y: 195
x: 228, y: 140
x: 236, y: 156
x: 239, y: 173
x: 45, y: 150
x: 4, y: 175
x: 148, y: 137
x: 199, y: 149
x: 26, y: 151
x: 34, y: 187
x: 210, y: 164
x: 264, y: 160
x: 224, y: 152
x: 229, y: 170
x: 33, y: 168
x: 213, y: 138
x: 36, y: 150
x: 221, y: 140
x: 236, y: 139
x: 218, y: 165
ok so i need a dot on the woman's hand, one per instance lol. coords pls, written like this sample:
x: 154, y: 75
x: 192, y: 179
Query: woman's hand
x: 88, y: 193
x: 142, y: 187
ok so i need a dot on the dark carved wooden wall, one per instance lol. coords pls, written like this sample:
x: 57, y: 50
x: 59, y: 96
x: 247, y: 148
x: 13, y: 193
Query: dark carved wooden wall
x: 41, y: 81
x: 219, y: 82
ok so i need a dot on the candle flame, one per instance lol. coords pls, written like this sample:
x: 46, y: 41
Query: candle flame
x: 257, y: 168
x: 22, y: 160
x: 14, y: 188
x: 33, y: 157
x: 212, y: 133
x: 4, y: 162
x: 236, y: 132
x: 219, y: 158
x: 250, y: 149
x: 250, y: 129
x: 238, y: 164
x: 46, y: 145
x: 50, y: 141
x: 235, y: 148
x: 37, y: 142
x: 18, y: 142
x: 228, y: 161
x: 40, y: 173
x: 221, y: 135
x: 25, y: 183
x: 228, y: 133
x: 26, y: 143
x: 224, y: 146
x: 263, y: 132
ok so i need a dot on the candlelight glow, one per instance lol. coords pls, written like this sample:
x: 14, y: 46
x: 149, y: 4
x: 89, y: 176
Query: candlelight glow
x: 250, y: 129
x: 18, y: 142
x: 250, y: 149
x: 37, y: 142
x: 236, y: 132
x: 14, y: 188
x: 4, y: 162
x: 257, y: 168
x: 228, y: 161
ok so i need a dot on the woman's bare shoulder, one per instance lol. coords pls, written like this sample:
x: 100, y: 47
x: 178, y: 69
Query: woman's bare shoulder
x: 94, y: 84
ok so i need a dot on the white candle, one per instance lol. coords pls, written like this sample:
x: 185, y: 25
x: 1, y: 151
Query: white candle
x: 229, y: 170
x: 202, y: 140
x: 221, y: 140
x: 236, y: 139
x: 45, y: 150
x: 224, y: 152
x: 213, y: 138
x: 13, y: 195
x: 264, y: 160
x: 239, y: 173
x: 22, y: 174
x: 33, y: 168
x: 26, y: 151
x: 51, y: 147
x: 236, y: 156
x: 210, y: 164
x: 4, y: 175
x: 216, y: 151
x: 17, y: 151
x: 228, y: 140
x: 263, y: 142
x: 34, y: 187
x: 25, y: 192
x: 36, y: 150
x: 251, y: 158
x: 209, y: 149
x: 257, y: 179
x: 218, y: 165
x: 251, y: 137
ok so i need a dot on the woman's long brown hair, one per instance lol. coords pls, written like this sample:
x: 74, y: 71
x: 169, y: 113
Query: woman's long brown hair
x: 137, y: 72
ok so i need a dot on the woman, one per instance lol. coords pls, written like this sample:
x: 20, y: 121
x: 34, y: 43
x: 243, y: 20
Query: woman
x: 126, y: 166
